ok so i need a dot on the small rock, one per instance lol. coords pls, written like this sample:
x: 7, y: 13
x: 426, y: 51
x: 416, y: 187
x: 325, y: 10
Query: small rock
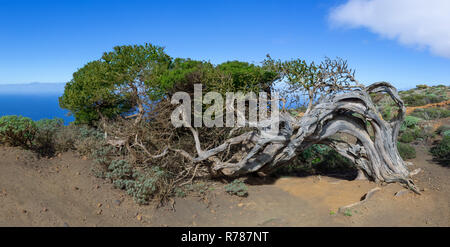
x: 78, y: 173
x: 44, y: 210
x: 117, y: 202
x: 139, y: 217
x: 24, y: 211
x: 65, y: 224
x: 76, y: 188
x: 99, y: 212
x: 99, y: 205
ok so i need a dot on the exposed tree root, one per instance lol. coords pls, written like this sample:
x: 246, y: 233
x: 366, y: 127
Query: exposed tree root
x: 363, y: 200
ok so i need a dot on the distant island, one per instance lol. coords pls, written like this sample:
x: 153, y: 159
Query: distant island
x: 34, y: 88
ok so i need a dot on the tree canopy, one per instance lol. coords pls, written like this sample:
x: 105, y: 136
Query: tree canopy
x: 124, y: 80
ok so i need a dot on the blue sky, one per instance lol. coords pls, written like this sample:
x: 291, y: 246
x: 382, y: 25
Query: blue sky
x: 46, y: 41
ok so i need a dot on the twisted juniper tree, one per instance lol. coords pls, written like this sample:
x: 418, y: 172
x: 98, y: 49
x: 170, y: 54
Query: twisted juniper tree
x: 131, y: 89
x: 337, y: 104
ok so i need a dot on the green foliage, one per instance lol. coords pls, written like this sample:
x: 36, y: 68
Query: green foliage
x: 415, y: 133
x: 442, y: 129
x: 329, y: 77
x: 407, y: 137
x: 348, y: 212
x: 133, y: 74
x: 91, y: 94
x: 441, y: 150
x: 89, y: 141
x: 181, y: 76
x: 17, y: 130
x: 136, y: 67
x: 141, y: 185
x: 237, y: 188
x: 297, y: 72
x: 387, y: 113
x: 248, y: 77
x: 406, y: 151
x: 416, y: 99
x: 421, y: 86
x: 446, y: 133
x: 119, y: 171
x: 431, y: 113
x: 108, y: 87
x: 409, y: 122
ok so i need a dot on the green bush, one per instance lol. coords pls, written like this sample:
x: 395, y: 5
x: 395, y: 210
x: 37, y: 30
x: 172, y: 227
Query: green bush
x: 415, y: 99
x: 442, y: 129
x: 119, y: 171
x: 147, y: 185
x: 407, y: 137
x: 416, y: 134
x: 446, y: 133
x: 406, y: 151
x: 441, y: 151
x: 17, y: 130
x: 237, y: 188
x: 89, y: 140
x: 409, y: 122
x: 431, y: 113
x: 141, y: 185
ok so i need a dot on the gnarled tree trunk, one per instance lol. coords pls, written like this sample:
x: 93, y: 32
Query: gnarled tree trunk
x: 374, y: 153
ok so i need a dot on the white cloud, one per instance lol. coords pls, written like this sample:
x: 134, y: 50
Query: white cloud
x: 420, y: 23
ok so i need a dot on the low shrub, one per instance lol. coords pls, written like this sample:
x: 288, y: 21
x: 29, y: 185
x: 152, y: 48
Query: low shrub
x: 441, y: 150
x: 409, y: 122
x: 89, y: 140
x: 431, y: 113
x: 17, y: 131
x: 407, y: 137
x: 415, y: 99
x: 141, y: 185
x: 237, y: 188
x: 406, y: 151
x: 442, y: 129
x: 446, y: 133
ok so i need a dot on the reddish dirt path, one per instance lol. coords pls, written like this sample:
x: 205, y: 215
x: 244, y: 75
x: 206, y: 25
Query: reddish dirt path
x: 409, y: 110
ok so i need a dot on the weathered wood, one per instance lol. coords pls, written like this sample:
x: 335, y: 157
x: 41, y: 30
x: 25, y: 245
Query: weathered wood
x: 353, y: 112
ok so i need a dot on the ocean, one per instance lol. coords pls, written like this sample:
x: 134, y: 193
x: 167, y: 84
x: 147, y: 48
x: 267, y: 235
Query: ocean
x: 36, y: 101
